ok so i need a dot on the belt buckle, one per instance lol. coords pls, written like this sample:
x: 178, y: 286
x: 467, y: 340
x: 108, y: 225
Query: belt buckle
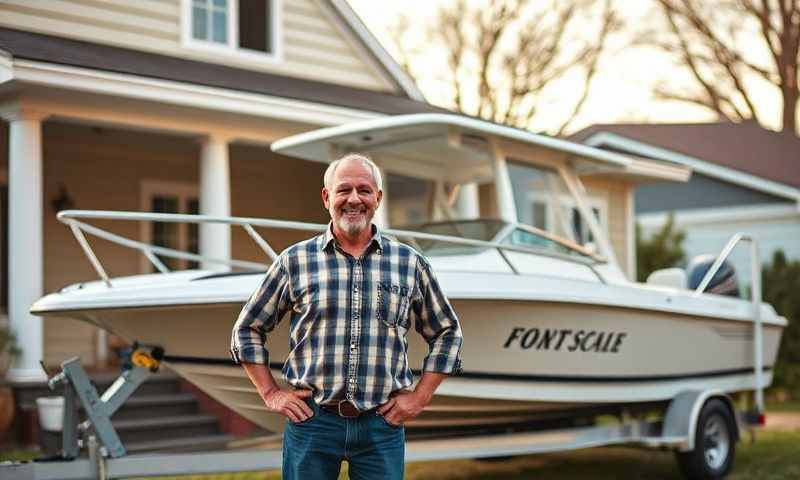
x: 345, y: 415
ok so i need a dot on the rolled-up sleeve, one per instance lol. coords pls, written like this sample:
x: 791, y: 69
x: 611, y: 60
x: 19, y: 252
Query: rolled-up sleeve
x: 262, y: 312
x: 437, y: 322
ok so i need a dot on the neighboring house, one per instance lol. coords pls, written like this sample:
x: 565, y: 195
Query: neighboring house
x: 170, y: 106
x: 745, y: 179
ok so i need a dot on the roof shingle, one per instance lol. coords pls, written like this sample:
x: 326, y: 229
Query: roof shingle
x: 741, y: 146
x: 46, y: 48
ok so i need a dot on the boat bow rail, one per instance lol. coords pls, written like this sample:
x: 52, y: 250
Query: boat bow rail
x: 755, y: 298
x: 77, y: 221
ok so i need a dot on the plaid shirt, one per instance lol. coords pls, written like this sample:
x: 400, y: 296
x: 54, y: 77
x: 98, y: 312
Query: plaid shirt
x: 349, y: 319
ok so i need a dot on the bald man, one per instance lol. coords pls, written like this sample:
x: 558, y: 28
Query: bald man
x: 352, y: 294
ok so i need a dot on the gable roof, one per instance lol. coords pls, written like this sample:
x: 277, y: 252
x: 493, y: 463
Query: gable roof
x: 392, y: 68
x: 745, y: 147
x: 77, y: 53
x: 743, y: 154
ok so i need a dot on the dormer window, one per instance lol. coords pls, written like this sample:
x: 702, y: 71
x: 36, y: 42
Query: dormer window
x: 244, y: 28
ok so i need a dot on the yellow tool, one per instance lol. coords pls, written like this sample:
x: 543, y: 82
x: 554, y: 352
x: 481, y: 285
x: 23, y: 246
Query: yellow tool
x: 143, y: 358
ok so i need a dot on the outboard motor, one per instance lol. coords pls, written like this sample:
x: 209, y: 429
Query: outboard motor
x: 724, y: 281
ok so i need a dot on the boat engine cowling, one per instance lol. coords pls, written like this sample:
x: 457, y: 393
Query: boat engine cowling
x: 724, y: 281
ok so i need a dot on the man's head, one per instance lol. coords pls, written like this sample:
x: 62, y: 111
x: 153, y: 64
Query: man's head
x: 352, y: 192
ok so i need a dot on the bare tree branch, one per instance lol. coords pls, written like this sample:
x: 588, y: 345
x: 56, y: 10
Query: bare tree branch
x: 502, y: 56
x: 671, y: 13
x: 610, y: 23
x: 719, y: 67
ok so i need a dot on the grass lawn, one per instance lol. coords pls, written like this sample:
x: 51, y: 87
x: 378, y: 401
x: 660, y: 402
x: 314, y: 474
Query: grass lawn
x: 774, y: 456
x: 787, y: 406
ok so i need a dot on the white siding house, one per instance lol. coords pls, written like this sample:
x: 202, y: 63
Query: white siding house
x: 171, y: 106
x: 745, y: 180
x: 164, y: 106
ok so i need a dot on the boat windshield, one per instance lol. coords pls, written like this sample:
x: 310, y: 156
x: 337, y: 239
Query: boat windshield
x: 544, y: 202
x: 526, y: 237
x: 485, y: 230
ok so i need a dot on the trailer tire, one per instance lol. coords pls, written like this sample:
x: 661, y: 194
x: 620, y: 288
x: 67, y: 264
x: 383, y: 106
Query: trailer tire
x: 714, y: 444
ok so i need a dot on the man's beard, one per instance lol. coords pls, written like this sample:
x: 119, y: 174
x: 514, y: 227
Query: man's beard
x: 353, y: 228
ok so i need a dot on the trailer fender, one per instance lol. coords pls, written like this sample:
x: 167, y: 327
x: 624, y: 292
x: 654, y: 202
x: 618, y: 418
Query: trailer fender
x: 683, y: 412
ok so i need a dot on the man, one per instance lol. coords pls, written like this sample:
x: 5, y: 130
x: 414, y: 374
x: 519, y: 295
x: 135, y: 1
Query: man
x: 352, y: 295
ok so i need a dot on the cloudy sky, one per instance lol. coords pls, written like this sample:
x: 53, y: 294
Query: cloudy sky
x: 621, y: 90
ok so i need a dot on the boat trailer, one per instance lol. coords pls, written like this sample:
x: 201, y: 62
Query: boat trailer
x: 105, y: 456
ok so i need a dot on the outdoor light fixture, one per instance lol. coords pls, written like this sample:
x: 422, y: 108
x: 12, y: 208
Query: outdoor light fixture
x: 62, y: 201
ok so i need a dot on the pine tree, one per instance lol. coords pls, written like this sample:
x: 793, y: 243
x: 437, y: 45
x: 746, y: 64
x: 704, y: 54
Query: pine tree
x: 662, y: 250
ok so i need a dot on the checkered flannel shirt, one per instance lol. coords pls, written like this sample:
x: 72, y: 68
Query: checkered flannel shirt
x: 349, y: 318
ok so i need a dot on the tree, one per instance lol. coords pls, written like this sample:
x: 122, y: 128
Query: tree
x: 781, y: 282
x: 719, y: 42
x: 497, y: 59
x: 662, y: 250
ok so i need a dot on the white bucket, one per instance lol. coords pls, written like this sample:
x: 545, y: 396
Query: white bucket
x: 51, y: 413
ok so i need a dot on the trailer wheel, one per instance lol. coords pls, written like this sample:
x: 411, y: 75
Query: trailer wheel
x: 714, y: 444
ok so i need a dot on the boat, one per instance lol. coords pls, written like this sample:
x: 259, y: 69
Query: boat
x: 553, y: 330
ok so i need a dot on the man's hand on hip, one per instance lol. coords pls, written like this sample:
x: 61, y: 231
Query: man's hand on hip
x: 402, y: 407
x: 407, y: 405
x: 290, y: 403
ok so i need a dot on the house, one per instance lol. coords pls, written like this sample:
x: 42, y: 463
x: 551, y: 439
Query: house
x: 170, y: 106
x: 165, y: 106
x: 745, y: 179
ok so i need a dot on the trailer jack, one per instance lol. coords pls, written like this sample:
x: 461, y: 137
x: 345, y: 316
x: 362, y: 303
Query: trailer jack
x: 78, y: 389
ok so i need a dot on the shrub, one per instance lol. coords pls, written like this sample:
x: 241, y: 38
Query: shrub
x: 662, y: 250
x: 781, y: 289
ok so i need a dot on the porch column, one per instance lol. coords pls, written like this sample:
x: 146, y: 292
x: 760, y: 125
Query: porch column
x: 506, y: 207
x: 467, y: 206
x: 381, y: 218
x: 25, y: 248
x: 439, y: 209
x: 215, y: 199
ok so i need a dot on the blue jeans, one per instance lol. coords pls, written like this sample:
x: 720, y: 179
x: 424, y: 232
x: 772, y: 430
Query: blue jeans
x: 314, y: 449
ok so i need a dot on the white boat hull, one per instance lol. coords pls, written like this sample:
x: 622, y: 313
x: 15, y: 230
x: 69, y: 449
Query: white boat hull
x: 521, y: 359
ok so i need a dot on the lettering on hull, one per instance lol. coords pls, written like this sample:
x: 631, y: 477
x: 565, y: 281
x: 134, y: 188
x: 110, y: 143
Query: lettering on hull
x: 564, y: 339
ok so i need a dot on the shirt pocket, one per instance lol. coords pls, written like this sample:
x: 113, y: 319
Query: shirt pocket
x: 393, y: 302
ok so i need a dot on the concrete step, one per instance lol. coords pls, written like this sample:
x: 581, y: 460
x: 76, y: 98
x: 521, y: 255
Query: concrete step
x: 158, y: 405
x: 183, y: 444
x: 159, y: 384
x: 169, y: 427
x: 158, y: 415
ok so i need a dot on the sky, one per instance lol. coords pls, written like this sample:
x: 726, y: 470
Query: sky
x: 621, y: 91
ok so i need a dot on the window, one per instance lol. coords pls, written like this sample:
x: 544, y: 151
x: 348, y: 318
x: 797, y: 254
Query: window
x: 543, y: 217
x: 544, y: 201
x: 168, y: 197
x: 583, y: 233
x: 539, y: 214
x: 210, y: 21
x: 247, y: 29
x: 409, y: 199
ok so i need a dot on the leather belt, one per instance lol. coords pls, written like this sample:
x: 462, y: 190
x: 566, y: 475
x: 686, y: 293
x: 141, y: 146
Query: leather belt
x: 345, y: 409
